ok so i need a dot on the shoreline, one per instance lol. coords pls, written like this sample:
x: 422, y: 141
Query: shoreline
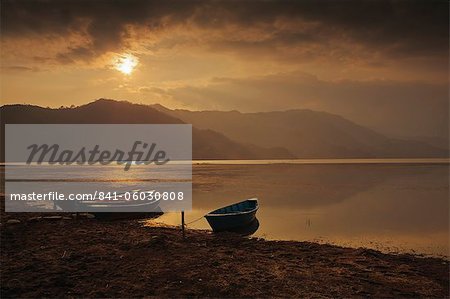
x: 377, y: 246
x: 330, y: 161
x: 301, y: 161
x: 65, y: 257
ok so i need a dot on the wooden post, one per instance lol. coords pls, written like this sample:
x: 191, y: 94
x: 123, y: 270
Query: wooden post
x: 182, y: 224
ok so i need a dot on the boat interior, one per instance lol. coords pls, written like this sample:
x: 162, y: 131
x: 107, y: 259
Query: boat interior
x: 244, y: 206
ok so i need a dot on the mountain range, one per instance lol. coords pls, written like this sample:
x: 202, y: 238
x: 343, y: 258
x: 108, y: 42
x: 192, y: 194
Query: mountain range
x: 234, y: 135
x: 306, y: 133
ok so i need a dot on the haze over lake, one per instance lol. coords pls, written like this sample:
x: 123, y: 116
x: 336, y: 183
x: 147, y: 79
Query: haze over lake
x: 391, y: 207
x: 386, y: 204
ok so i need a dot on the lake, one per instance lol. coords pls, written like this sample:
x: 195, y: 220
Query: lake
x: 389, y: 205
x: 394, y: 205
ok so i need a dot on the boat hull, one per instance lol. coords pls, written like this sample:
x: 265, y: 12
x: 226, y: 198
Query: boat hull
x: 152, y: 207
x: 109, y: 207
x: 234, y: 216
x: 230, y: 222
x: 125, y: 215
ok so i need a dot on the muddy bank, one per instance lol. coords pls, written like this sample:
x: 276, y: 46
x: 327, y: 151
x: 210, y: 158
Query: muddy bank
x: 64, y: 257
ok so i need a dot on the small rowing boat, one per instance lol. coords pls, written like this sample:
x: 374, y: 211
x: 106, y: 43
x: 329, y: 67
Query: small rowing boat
x: 233, y: 216
x: 118, y: 204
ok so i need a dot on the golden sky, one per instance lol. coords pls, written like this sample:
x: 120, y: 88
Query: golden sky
x: 382, y: 63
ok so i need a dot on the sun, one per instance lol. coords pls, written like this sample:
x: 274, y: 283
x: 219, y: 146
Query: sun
x: 126, y: 63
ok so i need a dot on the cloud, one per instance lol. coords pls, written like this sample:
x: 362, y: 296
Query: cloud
x: 395, y: 28
x: 380, y: 47
x: 19, y: 68
x: 75, y: 54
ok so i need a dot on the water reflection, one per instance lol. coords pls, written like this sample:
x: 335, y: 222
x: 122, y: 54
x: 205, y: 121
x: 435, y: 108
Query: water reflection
x: 387, y: 207
x: 248, y: 229
x: 391, y: 207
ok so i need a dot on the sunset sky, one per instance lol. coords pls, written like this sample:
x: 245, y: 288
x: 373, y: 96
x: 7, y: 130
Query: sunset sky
x: 383, y: 64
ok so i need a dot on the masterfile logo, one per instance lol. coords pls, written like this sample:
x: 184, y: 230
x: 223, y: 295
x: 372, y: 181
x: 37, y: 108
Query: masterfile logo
x: 106, y: 168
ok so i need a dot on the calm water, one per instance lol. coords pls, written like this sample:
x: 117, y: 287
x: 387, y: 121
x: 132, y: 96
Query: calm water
x: 392, y: 207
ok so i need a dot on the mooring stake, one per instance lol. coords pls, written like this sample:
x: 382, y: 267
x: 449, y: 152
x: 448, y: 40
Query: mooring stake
x: 182, y: 224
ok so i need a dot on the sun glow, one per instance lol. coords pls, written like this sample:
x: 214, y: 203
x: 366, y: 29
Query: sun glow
x: 126, y: 64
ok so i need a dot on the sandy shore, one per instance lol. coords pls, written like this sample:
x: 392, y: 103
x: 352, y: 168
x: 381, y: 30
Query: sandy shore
x: 92, y: 258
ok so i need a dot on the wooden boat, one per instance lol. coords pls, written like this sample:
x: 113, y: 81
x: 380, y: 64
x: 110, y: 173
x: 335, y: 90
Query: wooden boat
x: 110, y: 206
x: 233, y: 216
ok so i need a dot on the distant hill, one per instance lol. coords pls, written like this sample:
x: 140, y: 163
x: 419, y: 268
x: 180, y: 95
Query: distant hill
x: 306, y: 134
x: 235, y: 135
x: 207, y: 144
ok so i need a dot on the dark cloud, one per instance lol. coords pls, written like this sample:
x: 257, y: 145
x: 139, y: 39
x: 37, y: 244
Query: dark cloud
x: 19, y: 68
x: 75, y: 53
x: 398, y: 28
